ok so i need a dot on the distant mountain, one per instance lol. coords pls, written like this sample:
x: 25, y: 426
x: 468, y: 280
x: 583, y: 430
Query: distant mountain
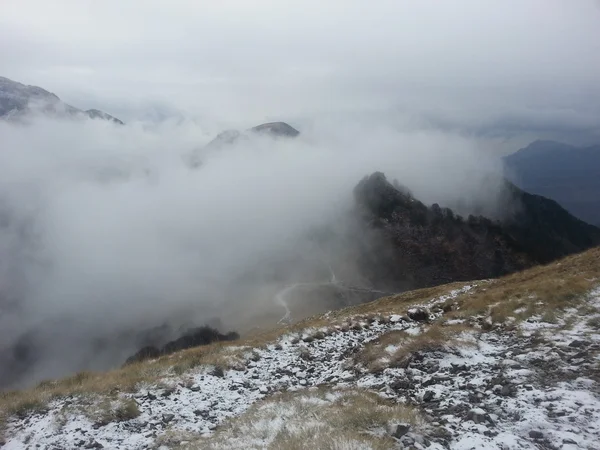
x: 229, y: 137
x: 18, y: 100
x: 570, y: 175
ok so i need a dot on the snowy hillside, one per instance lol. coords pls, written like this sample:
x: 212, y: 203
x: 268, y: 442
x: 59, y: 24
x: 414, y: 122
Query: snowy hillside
x: 17, y: 100
x: 501, y: 364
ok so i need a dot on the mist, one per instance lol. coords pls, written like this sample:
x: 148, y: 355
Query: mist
x: 106, y: 231
x: 109, y: 240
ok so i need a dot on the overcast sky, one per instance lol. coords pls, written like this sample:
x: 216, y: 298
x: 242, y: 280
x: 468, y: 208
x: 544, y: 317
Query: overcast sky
x: 505, y: 63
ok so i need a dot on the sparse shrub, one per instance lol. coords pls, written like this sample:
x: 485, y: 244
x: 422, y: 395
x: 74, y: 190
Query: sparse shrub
x: 594, y: 322
x: 127, y: 410
x: 319, y: 335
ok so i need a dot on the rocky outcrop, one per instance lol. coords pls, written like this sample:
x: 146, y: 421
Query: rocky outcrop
x: 191, y: 338
x: 426, y: 246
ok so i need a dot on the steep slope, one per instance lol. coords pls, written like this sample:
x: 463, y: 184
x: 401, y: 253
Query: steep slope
x: 570, y: 175
x: 17, y: 100
x: 425, y: 246
x: 510, y: 363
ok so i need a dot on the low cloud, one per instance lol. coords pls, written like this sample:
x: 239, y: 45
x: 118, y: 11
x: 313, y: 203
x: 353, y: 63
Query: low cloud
x: 106, y: 230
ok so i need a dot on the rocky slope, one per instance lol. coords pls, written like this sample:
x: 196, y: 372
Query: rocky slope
x: 18, y: 100
x: 501, y: 364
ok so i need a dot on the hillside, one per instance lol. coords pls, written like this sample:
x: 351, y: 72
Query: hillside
x: 565, y: 173
x: 416, y: 245
x: 18, y: 100
x: 507, y: 363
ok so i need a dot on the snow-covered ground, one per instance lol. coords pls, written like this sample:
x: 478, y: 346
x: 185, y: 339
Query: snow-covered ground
x: 534, y: 387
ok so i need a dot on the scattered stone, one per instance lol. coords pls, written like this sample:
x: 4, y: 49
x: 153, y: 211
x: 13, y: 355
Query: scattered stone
x: 428, y: 396
x: 166, y: 418
x: 536, y: 434
x: 477, y: 415
x: 578, y: 344
x: 400, y: 430
x: 94, y: 444
x: 418, y: 315
x: 400, y: 385
x: 506, y: 390
x: 218, y: 372
x: 569, y: 441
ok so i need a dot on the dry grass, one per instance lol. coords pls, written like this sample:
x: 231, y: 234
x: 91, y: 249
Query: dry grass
x: 393, y: 349
x: 321, y: 418
x: 594, y: 322
x: 115, y: 410
x: 126, y: 379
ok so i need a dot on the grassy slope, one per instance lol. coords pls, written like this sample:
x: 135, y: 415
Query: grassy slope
x: 560, y: 284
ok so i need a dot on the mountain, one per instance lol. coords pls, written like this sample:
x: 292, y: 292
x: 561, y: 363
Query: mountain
x: 17, y: 100
x: 511, y: 363
x: 412, y: 245
x: 276, y: 130
x: 570, y: 175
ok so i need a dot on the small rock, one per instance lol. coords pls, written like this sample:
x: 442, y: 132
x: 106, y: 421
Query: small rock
x: 428, y: 396
x: 400, y: 385
x: 477, y: 415
x: 506, y: 390
x: 263, y: 390
x: 218, y: 372
x: 401, y: 430
x: 197, y: 412
x: 166, y: 418
x: 578, y: 344
x: 536, y: 434
x: 94, y: 444
x: 569, y: 441
x: 347, y: 376
x: 195, y: 389
x: 418, y: 315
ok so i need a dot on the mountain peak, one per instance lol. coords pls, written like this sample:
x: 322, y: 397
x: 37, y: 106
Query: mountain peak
x: 276, y: 129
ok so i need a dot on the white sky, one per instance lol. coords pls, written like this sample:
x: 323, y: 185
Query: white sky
x: 471, y: 61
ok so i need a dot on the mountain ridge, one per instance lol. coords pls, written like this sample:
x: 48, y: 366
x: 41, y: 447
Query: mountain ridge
x: 566, y: 173
x: 18, y: 100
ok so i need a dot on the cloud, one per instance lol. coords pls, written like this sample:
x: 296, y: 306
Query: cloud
x: 108, y: 232
x: 238, y: 60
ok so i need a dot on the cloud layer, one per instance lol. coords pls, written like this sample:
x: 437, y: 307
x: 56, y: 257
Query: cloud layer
x: 106, y: 230
x: 515, y: 64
